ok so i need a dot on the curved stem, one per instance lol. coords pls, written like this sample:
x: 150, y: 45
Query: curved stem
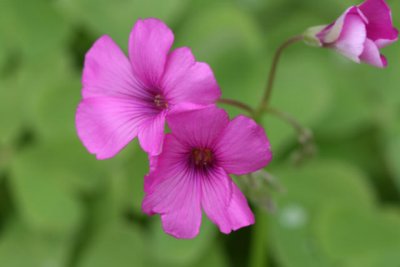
x: 305, y: 135
x: 259, y: 242
x: 300, y: 129
x: 237, y: 104
x: 272, y: 73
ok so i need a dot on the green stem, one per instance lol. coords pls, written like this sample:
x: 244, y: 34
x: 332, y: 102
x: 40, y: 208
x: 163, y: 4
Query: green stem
x: 237, y: 104
x: 258, y: 246
x: 272, y: 74
x: 258, y: 250
x: 305, y: 135
x: 259, y: 242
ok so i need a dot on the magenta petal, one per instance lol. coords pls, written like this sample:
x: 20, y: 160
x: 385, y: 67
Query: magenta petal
x: 331, y: 33
x: 223, y: 202
x: 149, y: 43
x: 380, y: 26
x: 240, y: 214
x: 199, y: 128
x: 174, y: 192
x: 187, y: 106
x: 372, y: 56
x: 186, y: 80
x: 106, y: 125
x: 151, y: 134
x: 107, y: 71
x: 243, y: 147
x: 352, y: 37
x: 153, y: 162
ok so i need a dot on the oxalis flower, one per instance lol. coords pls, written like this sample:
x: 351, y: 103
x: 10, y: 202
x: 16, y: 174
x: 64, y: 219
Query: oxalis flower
x: 124, y: 98
x: 359, y: 33
x: 192, y: 172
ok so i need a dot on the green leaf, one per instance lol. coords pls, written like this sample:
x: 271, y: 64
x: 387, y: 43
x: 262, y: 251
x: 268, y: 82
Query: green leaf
x: 3, y: 56
x: 117, y: 244
x: 310, y: 189
x: 166, y: 250
x: 214, y: 257
x: 117, y: 18
x: 124, y: 185
x: 56, y: 100
x: 361, y: 149
x: 355, y: 237
x: 11, y: 114
x: 301, y: 90
x: 354, y: 111
x: 34, y: 27
x: 25, y: 94
x: 228, y: 40
x: 319, y: 182
x: 391, y: 140
x: 36, y: 249
x: 130, y: 188
x: 44, y: 179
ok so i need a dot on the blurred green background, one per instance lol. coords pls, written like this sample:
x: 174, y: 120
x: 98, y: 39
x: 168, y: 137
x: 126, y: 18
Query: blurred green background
x: 59, y: 206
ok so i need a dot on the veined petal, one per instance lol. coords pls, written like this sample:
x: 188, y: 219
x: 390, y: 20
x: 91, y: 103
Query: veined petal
x: 108, y: 73
x: 186, y: 80
x: 187, y: 106
x: 243, y: 147
x: 151, y: 134
x: 199, y: 128
x: 105, y: 125
x: 333, y: 32
x: 372, y: 56
x: 239, y: 212
x: 173, y: 191
x: 353, y: 36
x: 149, y: 43
x: 380, y: 25
x: 223, y: 202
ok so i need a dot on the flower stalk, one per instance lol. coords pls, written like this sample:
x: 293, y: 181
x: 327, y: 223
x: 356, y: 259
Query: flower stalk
x: 238, y: 104
x: 259, y: 242
x: 272, y: 73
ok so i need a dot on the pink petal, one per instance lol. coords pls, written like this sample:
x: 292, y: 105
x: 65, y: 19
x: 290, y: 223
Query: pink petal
x: 243, y: 147
x: 106, y: 125
x: 223, y: 202
x: 153, y: 162
x: 372, y: 56
x: 173, y: 191
x: 186, y: 80
x: 380, y: 26
x: 352, y: 36
x: 187, y: 106
x: 199, y: 128
x: 149, y: 43
x: 107, y: 71
x: 151, y: 134
x: 331, y: 33
x: 239, y: 212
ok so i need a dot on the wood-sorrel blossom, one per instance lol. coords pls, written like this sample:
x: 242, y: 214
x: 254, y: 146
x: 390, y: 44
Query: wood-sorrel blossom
x: 359, y: 33
x: 124, y: 98
x: 192, y: 172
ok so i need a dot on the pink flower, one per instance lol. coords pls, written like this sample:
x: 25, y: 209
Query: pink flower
x: 359, y: 33
x: 192, y: 172
x: 124, y: 98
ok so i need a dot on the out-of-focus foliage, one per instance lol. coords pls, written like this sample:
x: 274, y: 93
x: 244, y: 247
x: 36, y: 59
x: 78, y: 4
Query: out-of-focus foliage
x: 59, y: 206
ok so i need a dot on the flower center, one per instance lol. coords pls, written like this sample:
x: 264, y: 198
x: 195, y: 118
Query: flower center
x: 160, y: 102
x: 201, y: 158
